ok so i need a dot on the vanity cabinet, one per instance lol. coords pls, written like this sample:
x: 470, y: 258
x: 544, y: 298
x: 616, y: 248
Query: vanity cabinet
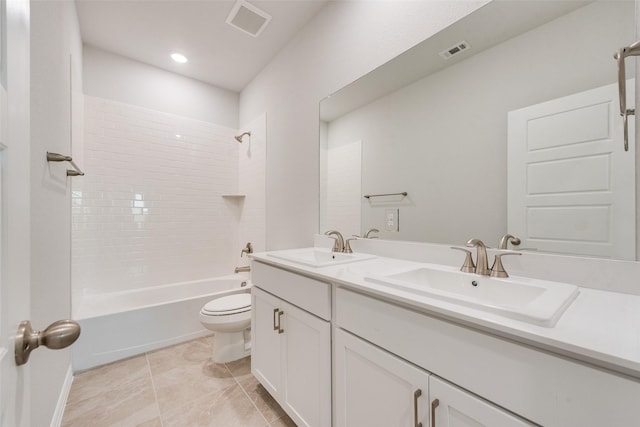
x: 291, y: 346
x: 498, y: 382
x: 454, y: 407
x: 374, y: 388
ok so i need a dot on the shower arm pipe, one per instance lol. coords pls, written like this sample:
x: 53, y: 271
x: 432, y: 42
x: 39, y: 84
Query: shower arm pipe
x: 239, y: 137
x: 56, y: 157
x: 620, y: 55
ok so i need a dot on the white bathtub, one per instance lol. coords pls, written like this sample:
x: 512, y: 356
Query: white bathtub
x: 122, y: 324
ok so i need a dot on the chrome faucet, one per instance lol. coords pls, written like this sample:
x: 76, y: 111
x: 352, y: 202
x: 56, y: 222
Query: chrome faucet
x: 482, y: 265
x: 338, y: 245
x: 506, y: 239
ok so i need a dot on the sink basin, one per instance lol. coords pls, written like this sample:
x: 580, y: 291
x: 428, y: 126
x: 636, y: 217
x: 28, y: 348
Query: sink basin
x: 314, y: 257
x: 535, y: 301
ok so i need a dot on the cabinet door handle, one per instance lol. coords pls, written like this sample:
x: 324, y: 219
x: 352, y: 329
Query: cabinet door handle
x: 280, y: 313
x: 275, y: 315
x: 434, y: 405
x: 416, y: 395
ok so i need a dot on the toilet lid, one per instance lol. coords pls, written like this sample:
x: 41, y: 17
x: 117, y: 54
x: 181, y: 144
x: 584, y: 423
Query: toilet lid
x: 229, y: 304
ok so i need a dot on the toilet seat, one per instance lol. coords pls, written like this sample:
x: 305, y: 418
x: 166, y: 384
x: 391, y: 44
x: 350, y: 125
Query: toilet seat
x: 228, y: 305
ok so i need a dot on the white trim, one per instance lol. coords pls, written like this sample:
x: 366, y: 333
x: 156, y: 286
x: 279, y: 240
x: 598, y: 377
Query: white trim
x: 56, y: 420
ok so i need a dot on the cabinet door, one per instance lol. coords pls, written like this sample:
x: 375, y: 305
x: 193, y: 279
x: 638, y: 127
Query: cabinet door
x: 374, y: 388
x: 265, y: 341
x: 454, y: 407
x: 306, y: 364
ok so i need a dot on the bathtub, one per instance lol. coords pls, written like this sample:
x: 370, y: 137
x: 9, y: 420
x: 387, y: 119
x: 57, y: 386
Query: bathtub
x: 118, y: 325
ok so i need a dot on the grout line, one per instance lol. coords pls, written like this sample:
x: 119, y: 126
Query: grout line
x: 248, y: 397
x: 153, y: 386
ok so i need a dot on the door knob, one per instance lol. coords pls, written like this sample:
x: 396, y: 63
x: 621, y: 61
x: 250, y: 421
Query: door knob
x: 59, y: 334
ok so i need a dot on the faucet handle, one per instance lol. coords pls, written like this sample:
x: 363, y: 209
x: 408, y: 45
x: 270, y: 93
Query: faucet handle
x: 497, y: 269
x: 248, y: 249
x: 347, y: 244
x: 468, y: 266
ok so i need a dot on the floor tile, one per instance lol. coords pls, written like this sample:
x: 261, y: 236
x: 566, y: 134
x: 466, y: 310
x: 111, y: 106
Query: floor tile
x: 96, y: 381
x: 257, y: 394
x: 182, y: 384
x: 174, y: 386
x: 193, y: 352
x: 229, y: 408
x: 128, y: 404
x: 285, y: 421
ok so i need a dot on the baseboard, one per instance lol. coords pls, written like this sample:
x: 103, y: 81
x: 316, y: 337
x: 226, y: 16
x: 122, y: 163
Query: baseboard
x: 56, y: 420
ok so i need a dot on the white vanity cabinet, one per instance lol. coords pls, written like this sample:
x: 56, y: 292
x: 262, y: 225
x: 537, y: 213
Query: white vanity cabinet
x: 454, y: 407
x: 538, y: 386
x: 373, y: 388
x: 291, y: 343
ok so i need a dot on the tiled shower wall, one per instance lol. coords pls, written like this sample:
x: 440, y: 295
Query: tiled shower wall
x: 149, y: 210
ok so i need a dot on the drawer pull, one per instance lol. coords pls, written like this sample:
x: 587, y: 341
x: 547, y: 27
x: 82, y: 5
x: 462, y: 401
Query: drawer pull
x: 434, y: 405
x: 280, y: 313
x: 275, y: 314
x: 416, y: 395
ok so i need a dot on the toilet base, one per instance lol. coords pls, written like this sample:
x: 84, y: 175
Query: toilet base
x: 231, y: 346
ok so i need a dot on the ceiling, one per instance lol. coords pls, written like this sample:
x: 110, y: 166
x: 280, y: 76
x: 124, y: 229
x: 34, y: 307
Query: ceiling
x: 219, y: 54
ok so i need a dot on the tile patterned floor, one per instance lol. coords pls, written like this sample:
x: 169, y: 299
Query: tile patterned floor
x: 174, y: 386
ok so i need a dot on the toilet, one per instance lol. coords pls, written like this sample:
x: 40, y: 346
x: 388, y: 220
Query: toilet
x: 229, y: 317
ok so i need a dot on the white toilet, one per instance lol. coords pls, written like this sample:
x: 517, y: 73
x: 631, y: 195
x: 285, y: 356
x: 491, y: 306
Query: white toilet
x: 229, y: 317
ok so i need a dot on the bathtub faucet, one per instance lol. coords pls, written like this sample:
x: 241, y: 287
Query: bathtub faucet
x: 242, y: 269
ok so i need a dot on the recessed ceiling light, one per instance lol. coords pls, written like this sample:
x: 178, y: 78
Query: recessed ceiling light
x: 179, y: 58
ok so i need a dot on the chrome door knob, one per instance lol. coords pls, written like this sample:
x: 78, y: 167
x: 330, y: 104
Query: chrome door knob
x: 59, y: 334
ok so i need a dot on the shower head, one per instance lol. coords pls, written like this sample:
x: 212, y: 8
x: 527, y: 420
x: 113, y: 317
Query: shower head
x: 239, y: 137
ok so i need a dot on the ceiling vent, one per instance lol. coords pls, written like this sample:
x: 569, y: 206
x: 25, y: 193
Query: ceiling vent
x: 248, y: 18
x: 455, y: 49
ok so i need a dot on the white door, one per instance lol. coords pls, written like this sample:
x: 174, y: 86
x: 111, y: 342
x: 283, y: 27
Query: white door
x: 14, y: 212
x: 571, y: 185
x: 265, y: 341
x: 454, y: 407
x: 306, y: 362
x: 374, y: 388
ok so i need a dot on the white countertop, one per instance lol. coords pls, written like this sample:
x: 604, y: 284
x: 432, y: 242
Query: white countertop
x: 599, y: 327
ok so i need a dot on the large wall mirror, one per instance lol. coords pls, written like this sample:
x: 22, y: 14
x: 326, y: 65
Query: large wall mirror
x: 441, y: 129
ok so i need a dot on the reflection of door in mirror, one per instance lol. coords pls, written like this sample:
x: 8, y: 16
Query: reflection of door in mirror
x: 340, y: 197
x: 570, y: 182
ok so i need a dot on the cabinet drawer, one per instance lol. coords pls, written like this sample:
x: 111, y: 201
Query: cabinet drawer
x: 309, y: 294
x: 547, y: 389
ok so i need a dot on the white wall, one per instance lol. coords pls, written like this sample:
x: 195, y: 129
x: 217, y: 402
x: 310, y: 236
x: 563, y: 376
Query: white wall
x: 343, y: 42
x: 443, y: 139
x: 56, y: 58
x: 115, y: 77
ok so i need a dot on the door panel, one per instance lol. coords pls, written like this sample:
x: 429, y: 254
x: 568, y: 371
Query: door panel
x: 15, y: 209
x: 375, y: 388
x: 570, y: 183
x: 265, y: 341
x: 307, y: 366
x: 454, y: 407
